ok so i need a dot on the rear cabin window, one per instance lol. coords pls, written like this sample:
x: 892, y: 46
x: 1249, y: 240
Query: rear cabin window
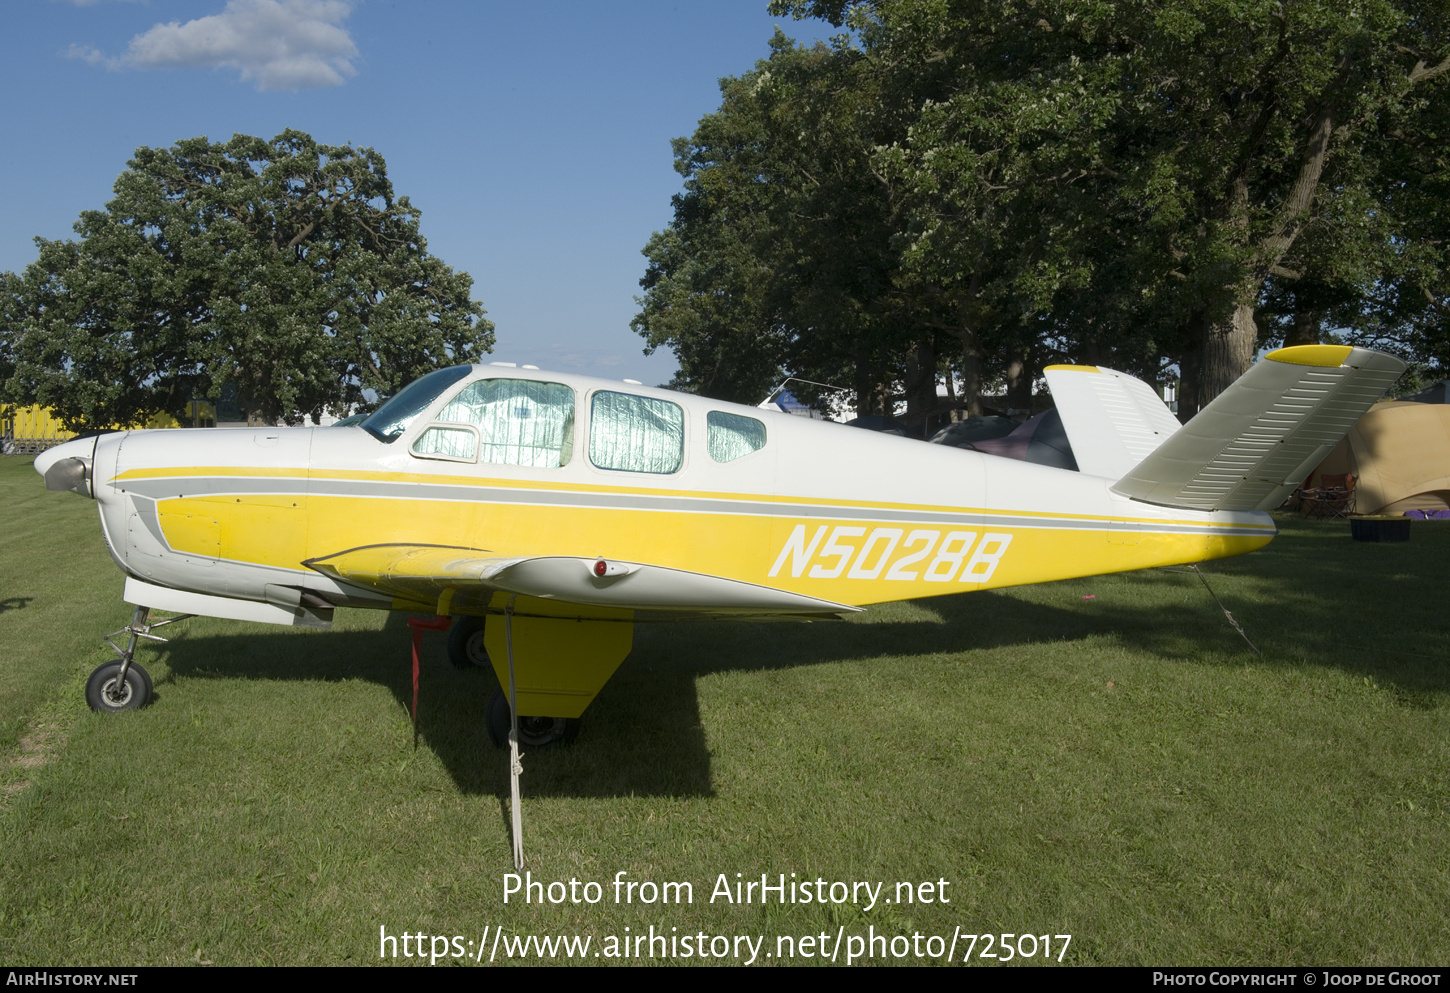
x: 732, y: 436
x: 636, y: 434
x: 504, y: 422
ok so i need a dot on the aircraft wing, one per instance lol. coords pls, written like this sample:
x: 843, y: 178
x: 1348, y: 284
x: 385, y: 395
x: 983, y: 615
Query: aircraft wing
x: 435, y: 573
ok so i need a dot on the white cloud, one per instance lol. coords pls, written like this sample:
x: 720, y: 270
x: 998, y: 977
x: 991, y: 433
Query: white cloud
x: 278, y: 44
x: 87, y: 54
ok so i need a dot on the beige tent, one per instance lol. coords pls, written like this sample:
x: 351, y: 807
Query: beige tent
x: 1399, y: 454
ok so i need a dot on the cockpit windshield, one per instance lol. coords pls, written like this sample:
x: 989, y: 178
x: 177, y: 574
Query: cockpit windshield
x: 392, y: 418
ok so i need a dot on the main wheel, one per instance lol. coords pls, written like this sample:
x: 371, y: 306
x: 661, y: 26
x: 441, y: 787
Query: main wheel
x: 535, y: 732
x: 106, y: 692
x: 465, y: 643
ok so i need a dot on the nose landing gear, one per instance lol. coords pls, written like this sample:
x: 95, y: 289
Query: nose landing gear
x: 121, y: 684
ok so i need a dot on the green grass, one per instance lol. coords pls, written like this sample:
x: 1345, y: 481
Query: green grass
x: 1121, y: 768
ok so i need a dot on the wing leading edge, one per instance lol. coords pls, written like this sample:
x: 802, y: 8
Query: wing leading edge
x: 425, y: 573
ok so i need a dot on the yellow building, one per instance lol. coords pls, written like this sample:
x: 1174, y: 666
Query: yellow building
x: 30, y: 430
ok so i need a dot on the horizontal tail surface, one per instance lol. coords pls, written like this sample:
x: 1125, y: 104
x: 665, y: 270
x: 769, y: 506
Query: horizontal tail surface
x: 1254, y: 443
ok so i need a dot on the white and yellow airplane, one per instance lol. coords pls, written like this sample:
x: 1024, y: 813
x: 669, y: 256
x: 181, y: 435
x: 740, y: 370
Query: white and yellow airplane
x: 569, y: 508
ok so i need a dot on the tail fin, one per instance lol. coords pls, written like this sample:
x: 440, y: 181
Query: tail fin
x: 1112, y: 420
x: 1254, y: 443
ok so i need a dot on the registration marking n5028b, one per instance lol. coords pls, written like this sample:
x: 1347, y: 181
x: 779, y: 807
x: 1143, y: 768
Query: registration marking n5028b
x: 857, y: 554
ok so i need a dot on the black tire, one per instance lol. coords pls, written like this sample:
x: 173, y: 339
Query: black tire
x: 104, y: 695
x: 466, y: 649
x: 534, y: 732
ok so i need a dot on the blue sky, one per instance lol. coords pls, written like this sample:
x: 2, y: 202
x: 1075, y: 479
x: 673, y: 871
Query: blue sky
x: 533, y: 137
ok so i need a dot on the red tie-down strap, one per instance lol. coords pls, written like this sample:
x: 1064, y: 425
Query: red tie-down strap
x: 419, y: 625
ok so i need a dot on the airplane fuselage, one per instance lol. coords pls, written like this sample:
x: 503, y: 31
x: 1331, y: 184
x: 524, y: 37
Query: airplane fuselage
x: 817, y: 508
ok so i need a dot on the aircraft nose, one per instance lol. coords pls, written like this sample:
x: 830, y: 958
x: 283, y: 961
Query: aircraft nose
x: 67, y: 466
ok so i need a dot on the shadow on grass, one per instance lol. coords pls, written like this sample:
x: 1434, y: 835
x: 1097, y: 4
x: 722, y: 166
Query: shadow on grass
x: 1311, y: 597
x: 1302, y: 600
x: 642, y: 735
x: 1372, y: 610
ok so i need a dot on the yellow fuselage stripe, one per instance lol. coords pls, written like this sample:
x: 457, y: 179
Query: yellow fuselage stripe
x: 839, y: 559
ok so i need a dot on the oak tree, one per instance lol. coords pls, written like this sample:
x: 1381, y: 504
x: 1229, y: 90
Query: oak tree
x: 1063, y: 180
x: 286, y: 268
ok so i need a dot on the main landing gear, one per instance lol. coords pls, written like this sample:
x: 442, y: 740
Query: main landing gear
x: 122, y: 684
x: 536, y: 732
x: 466, y: 650
x: 465, y: 644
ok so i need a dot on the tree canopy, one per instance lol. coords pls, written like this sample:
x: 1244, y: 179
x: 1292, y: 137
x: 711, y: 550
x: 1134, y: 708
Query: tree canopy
x: 284, y: 267
x: 995, y: 185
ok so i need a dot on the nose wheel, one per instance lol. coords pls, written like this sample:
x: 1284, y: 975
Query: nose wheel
x: 117, y: 686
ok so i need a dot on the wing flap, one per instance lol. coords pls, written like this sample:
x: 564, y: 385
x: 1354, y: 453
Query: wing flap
x: 423, y: 573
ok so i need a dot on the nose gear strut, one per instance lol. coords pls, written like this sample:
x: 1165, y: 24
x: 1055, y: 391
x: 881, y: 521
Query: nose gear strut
x: 122, y: 684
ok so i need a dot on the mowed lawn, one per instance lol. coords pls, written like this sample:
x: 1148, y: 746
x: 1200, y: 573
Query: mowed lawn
x: 1103, y: 758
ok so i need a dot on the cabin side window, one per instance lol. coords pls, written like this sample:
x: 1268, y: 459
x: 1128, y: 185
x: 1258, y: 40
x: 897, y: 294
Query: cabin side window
x: 504, y: 422
x: 636, y: 434
x: 456, y: 444
x: 732, y: 436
